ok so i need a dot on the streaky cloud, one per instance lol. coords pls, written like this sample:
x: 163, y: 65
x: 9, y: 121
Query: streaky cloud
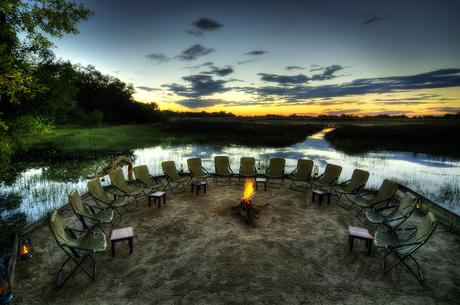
x: 199, y: 85
x: 443, y: 78
x: 207, y: 24
x: 370, y: 19
x: 146, y: 88
x: 159, y: 57
x: 328, y: 73
x: 195, y: 51
x: 220, y: 71
x: 256, y: 52
x: 294, y: 68
x: 284, y: 79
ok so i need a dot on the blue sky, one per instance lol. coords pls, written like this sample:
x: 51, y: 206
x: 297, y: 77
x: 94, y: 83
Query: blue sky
x: 256, y: 57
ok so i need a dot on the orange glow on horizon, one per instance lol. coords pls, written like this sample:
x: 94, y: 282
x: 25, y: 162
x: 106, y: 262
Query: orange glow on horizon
x: 413, y: 103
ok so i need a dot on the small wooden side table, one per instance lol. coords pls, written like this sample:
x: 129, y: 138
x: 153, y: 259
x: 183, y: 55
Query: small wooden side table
x: 321, y: 194
x: 157, y: 198
x: 120, y: 235
x: 360, y: 233
x: 261, y: 181
x: 198, y: 185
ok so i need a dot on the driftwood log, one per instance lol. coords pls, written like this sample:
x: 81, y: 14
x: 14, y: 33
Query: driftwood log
x: 247, y: 212
x: 114, y: 164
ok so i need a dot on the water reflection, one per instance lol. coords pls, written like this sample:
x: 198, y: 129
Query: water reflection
x: 433, y: 177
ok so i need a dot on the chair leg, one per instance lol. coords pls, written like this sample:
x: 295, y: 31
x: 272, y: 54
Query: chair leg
x: 418, y: 276
x: 78, y: 265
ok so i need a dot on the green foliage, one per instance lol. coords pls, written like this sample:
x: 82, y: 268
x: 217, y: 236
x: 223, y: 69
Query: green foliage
x: 25, y: 26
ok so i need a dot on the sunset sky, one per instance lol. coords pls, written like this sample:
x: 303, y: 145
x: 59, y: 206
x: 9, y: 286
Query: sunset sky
x: 281, y: 57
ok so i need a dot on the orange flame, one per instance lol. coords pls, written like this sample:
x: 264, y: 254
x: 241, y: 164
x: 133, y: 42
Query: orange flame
x: 25, y: 250
x: 249, y: 191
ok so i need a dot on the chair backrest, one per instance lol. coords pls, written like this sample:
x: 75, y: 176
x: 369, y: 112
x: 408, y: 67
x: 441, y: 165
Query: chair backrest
x: 97, y: 191
x: 247, y: 166
x: 358, y: 180
x: 142, y: 174
x: 222, y: 165
x: 407, y: 205
x: 386, y: 191
x: 304, y: 168
x: 331, y: 174
x: 77, y: 205
x: 118, y: 180
x: 194, y: 166
x: 427, y: 228
x: 169, y: 169
x: 57, y: 229
x: 276, y: 166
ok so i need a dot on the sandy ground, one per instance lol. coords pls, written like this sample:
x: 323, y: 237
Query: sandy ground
x: 192, y: 251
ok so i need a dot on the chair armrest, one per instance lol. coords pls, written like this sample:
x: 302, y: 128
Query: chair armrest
x: 72, y: 231
x: 386, y: 208
x: 318, y: 176
x: 345, y: 182
x: 115, y: 192
x: 402, y: 245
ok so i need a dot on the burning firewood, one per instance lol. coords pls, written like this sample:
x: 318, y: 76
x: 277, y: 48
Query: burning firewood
x: 246, y: 209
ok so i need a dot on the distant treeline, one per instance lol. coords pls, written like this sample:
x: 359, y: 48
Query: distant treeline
x: 240, y: 131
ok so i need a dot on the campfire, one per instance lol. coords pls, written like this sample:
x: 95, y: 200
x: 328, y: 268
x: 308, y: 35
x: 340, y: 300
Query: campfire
x: 246, y: 209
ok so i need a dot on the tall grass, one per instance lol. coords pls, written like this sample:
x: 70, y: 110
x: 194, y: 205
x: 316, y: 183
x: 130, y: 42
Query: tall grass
x: 429, y: 138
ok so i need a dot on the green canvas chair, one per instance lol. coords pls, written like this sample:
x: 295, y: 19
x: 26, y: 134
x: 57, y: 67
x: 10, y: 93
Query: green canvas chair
x: 302, y: 173
x: 172, y: 175
x: 147, y: 181
x: 196, y: 169
x: 89, y: 218
x: 121, y: 185
x: 78, y: 245
x: 329, y: 177
x: 392, y: 216
x: 351, y: 187
x: 404, y: 248
x: 222, y: 168
x: 247, y: 168
x: 383, y: 197
x: 275, y: 170
x: 106, y: 200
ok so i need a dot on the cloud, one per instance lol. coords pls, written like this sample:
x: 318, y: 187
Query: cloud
x: 284, y: 79
x: 220, y: 71
x: 204, y: 25
x: 207, y: 24
x: 256, y: 52
x: 328, y: 73
x: 199, y: 85
x: 446, y: 109
x: 246, y: 61
x: 294, y: 68
x: 195, y: 51
x: 198, y: 103
x: 443, y: 78
x: 370, y: 19
x: 159, y: 57
x: 205, y: 64
x: 148, y: 89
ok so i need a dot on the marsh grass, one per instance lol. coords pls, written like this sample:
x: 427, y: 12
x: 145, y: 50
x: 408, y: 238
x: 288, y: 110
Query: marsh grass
x: 429, y: 138
x: 81, y: 142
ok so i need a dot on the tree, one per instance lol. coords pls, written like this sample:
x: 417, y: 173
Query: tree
x: 25, y: 28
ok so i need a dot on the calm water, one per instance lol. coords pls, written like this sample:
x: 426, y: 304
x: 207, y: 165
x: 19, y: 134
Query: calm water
x: 45, y: 188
